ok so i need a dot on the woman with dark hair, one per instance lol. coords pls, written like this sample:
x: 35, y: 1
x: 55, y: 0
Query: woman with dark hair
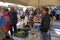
x: 5, y: 23
x: 45, y: 24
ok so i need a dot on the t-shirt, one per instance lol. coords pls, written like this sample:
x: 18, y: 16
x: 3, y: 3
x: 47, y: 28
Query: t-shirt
x: 13, y: 17
x: 22, y: 12
x: 3, y: 22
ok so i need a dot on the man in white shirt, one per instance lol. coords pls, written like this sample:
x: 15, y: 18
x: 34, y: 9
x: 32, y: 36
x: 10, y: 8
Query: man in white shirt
x: 21, y: 12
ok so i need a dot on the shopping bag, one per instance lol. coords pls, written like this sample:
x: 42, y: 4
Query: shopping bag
x: 37, y: 27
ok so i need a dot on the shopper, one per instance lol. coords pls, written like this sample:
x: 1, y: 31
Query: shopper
x: 22, y: 12
x: 5, y: 23
x: 52, y: 18
x: 2, y: 34
x: 13, y: 20
x: 45, y: 24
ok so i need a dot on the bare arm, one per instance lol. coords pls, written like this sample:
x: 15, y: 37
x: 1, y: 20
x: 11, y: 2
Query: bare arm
x: 7, y: 19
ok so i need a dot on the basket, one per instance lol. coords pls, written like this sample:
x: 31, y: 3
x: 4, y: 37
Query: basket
x: 24, y: 34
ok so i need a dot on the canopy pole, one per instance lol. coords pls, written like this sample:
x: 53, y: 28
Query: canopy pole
x: 38, y: 3
x: 38, y: 6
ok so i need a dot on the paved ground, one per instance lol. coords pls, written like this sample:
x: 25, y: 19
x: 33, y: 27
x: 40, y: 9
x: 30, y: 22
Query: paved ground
x: 56, y: 31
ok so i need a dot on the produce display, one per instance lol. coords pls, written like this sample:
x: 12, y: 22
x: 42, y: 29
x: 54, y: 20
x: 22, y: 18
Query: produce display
x: 22, y: 34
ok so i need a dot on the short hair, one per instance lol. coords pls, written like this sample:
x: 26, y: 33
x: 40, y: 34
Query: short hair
x: 12, y: 8
x: 46, y: 9
x: 7, y: 9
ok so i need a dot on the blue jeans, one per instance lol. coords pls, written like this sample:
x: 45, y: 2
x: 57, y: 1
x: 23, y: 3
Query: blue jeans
x: 45, y: 36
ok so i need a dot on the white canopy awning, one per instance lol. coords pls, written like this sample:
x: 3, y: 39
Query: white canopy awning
x: 10, y: 4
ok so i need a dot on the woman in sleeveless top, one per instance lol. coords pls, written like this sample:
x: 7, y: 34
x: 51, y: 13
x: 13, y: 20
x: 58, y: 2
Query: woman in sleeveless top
x: 6, y: 28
